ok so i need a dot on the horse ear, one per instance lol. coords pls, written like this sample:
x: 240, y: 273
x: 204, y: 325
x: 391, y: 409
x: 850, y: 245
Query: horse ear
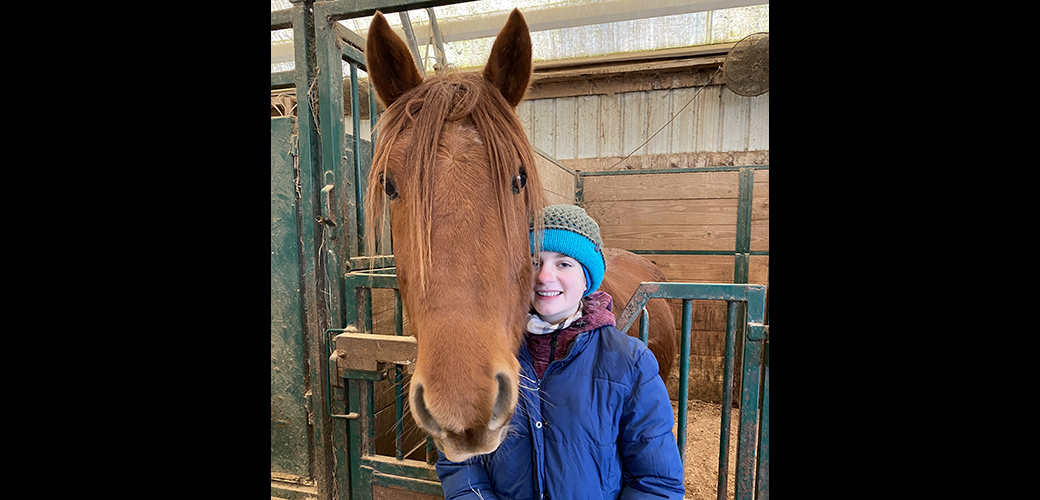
x: 509, y: 66
x: 390, y: 66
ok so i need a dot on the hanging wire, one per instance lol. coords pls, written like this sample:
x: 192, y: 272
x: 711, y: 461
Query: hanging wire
x: 710, y: 80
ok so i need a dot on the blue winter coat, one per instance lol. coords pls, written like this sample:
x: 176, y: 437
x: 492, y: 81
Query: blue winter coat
x: 598, y: 425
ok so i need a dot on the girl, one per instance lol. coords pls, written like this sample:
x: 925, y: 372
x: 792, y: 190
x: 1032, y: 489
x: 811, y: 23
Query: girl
x: 593, y: 419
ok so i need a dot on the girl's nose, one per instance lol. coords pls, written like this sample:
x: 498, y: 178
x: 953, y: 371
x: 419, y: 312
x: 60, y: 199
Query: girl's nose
x: 544, y: 274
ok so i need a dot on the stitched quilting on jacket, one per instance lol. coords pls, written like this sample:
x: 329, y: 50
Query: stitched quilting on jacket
x: 597, y: 425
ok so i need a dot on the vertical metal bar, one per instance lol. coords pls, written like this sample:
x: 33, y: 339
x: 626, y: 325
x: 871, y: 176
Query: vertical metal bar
x: 314, y: 314
x: 748, y: 419
x: 742, y: 257
x: 406, y: 24
x: 644, y: 327
x: 431, y: 451
x: 355, y: 112
x: 684, y: 374
x: 727, y: 398
x: 353, y: 388
x: 372, y: 115
x: 743, y: 248
x: 399, y: 387
x: 762, y: 488
x: 438, y: 42
x: 398, y: 313
x: 398, y: 413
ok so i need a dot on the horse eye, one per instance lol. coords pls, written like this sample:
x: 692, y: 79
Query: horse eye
x: 520, y: 181
x: 389, y: 187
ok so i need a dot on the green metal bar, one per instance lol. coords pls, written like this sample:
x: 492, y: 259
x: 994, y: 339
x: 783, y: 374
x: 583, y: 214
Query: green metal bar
x: 762, y: 488
x: 398, y: 413
x: 393, y: 467
x: 398, y: 313
x: 356, y: 485
x: 694, y: 252
x: 407, y: 483
x: 369, y: 280
x: 431, y: 451
x: 348, y: 9
x: 748, y: 420
x: 744, y: 195
x: 312, y: 269
x: 281, y: 19
x: 684, y: 374
x: 283, y: 79
x: 671, y: 170
x: 405, y: 474
x: 727, y: 398
x: 371, y: 262
x: 644, y: 327
x: 359, y: 176
x: 330, y: 117
x: 354, y: 57
x: 696, y: 291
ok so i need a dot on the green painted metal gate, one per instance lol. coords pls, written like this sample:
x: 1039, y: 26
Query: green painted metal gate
x: 337, y: 413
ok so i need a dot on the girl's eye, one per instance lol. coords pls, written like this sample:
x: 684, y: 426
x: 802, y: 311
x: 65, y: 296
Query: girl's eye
x: 564, y: 264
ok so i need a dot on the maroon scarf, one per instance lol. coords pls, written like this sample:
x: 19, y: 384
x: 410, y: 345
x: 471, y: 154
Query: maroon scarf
x: 596, y: 312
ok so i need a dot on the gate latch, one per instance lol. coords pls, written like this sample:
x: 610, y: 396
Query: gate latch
x: 368, y: 352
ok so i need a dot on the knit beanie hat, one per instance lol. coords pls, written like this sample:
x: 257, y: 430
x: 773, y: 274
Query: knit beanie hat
x: 570, y: 231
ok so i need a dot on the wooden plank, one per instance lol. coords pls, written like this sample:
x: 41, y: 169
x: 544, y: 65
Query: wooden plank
x: 610, y: 125
x: 705, y: 237
x: 758, y: 270
x: 696, y: 269
x: 682, y: 186
x: 734, y: 121
x: 760, y: 212
x: 758, y: 129
x: 383, y: 313
x: 712, y: 211
x: 633, y: 123
x: 708, y: 124
x: 388, y: 493
x: 566, y: 128
x: 588, y: 126
x: 544, y: 126
x: 659, y: 111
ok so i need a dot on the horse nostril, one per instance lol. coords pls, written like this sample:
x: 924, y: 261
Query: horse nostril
x: 504, y: 401
x: 425, y: 420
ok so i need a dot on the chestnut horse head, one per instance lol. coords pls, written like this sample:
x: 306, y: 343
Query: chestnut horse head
x: 455, y: 167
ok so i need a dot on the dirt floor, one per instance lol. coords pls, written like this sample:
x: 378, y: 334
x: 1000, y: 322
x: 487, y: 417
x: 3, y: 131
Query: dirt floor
x: 702, y: 449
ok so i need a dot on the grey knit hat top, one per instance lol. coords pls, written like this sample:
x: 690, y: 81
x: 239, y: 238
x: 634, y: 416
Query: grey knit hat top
x: 572, y: 218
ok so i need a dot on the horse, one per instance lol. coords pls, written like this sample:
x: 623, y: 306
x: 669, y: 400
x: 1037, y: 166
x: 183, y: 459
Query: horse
x: 625, y: 271
x: 454, y: 167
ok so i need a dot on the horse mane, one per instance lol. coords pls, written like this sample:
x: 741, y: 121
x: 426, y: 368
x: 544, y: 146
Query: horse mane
x: 440, y: 99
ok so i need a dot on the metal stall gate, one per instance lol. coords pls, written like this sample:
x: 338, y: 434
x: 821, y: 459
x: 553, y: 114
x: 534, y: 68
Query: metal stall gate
x: 337, y: 428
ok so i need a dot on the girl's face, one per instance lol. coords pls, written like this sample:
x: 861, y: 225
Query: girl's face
x: 559, y: 284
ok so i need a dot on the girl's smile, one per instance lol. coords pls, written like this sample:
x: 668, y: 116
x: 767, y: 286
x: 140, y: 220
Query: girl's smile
x: 559, y: 284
